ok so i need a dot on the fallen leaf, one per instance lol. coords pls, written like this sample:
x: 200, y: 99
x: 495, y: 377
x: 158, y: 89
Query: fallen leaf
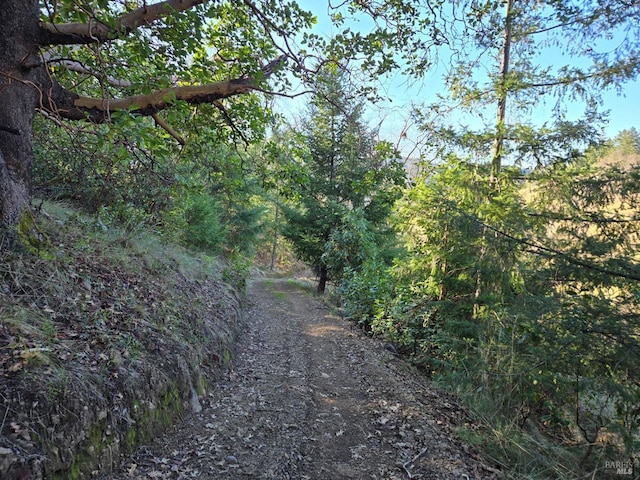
x: 16, y: 367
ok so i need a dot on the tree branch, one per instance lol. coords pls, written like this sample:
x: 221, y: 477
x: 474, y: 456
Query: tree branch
x: 630, y: 274
x: 97, y: 109
x: 11, y: 130
x: 79, y: 67
x: 74, y: 107
x: 592, y: 218
x: 164, y: 124
x: 97, y: 31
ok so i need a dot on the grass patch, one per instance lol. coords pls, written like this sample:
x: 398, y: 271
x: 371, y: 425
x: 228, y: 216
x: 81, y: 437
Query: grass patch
x: 280, y: 295
x: 529, y: 451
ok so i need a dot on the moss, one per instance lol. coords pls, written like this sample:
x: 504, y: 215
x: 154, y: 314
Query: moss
x: 86, y: 454
x: 171, y: 400
x: 280, y: 295
x: 148, y: 422
x: 201, y: 386
x: 73, y: 473
x: 33, y: 237
x: 130, y: 439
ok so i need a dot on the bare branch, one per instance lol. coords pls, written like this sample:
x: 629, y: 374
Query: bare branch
x: 75, y: 107
x: 97, y: 108
x: 229, y: 121
x: 161, y: 122
x: 79, y: 67
x: 96, y: 31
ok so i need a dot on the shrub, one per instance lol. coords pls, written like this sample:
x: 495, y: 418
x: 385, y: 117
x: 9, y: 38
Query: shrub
x: 195, y: 222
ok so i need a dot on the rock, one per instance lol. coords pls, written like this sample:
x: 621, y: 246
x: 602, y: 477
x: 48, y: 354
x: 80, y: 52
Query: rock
x: 230, y: 459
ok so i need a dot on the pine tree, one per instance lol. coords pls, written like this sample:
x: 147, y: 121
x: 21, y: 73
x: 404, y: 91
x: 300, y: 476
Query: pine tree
x: 346, y: 171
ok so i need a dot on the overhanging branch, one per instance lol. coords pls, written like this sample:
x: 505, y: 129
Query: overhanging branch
x: 97, y: 31
x: 74, y: 107
x: 79, y: 67
x: 97, y: 109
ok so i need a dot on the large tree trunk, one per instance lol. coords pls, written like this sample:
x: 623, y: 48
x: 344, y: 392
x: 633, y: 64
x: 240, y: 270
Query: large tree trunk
x: 26, y: 85
x: 19, y: 97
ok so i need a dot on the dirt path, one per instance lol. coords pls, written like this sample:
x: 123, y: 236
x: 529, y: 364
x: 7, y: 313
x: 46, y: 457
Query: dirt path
x: 311, y: 398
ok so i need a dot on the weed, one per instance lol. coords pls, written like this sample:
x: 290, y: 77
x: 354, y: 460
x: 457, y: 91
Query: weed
x: 280, y: 295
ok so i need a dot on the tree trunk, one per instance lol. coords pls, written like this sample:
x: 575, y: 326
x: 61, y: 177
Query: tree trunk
x: 496, y: 162
x: 20, y: 94
x: 275, y: 239
x: 324, y: 277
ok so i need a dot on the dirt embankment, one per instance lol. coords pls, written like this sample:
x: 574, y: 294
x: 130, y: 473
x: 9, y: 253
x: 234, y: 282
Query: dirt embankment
x: 310, y: 398
x: 103, y: 344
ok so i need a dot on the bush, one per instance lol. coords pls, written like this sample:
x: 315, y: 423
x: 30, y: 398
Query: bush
x: 364, y: 292
x: 195, y: 222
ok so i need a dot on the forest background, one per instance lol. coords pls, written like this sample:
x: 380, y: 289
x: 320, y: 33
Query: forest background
x: 502, y: 259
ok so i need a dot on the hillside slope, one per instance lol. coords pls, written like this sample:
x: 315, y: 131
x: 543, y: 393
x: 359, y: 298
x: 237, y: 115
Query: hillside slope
x: 106, y: 337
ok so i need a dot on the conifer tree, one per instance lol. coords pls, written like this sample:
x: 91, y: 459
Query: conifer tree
x: 346, y: 170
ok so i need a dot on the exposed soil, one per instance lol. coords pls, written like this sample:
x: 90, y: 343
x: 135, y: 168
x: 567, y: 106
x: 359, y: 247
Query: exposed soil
x: 310, y: 397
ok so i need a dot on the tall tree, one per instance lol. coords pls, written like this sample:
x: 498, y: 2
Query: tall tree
x: 509, y: 269
x: 520, y: 57
x: 346, y: 171
x: 500, y: 64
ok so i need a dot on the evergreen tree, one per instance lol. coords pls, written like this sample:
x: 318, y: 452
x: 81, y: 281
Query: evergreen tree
x: 523, y: 287
x: 346, y: 171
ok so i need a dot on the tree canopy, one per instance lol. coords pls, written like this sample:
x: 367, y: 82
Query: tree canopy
x: 90, y: 60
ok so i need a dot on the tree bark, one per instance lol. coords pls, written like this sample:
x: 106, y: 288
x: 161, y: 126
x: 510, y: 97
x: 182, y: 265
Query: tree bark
x: 19, y: 96
x: 275, y: 238
x: 498, y: 147
x: 79, y: 33
x: 324, y: 277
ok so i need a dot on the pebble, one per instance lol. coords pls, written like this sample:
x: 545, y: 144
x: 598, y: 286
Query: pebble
x: 231, y: 460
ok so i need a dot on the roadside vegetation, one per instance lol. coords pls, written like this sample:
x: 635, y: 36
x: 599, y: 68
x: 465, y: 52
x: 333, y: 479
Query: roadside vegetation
x: 107, y: 336
x: 525, y: 304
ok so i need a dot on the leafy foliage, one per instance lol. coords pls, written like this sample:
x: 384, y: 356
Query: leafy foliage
x: 525, y: 298
x: 349, y: 245
x: 126, y: 164
x: 203, y: 195
x: 201, y: 224
x: 366, y: 291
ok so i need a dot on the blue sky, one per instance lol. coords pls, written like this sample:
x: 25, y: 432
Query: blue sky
x: 392, y: 116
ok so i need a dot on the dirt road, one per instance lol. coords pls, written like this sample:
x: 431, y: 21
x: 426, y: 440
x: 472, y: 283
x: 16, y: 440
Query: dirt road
x: 308, y: 397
